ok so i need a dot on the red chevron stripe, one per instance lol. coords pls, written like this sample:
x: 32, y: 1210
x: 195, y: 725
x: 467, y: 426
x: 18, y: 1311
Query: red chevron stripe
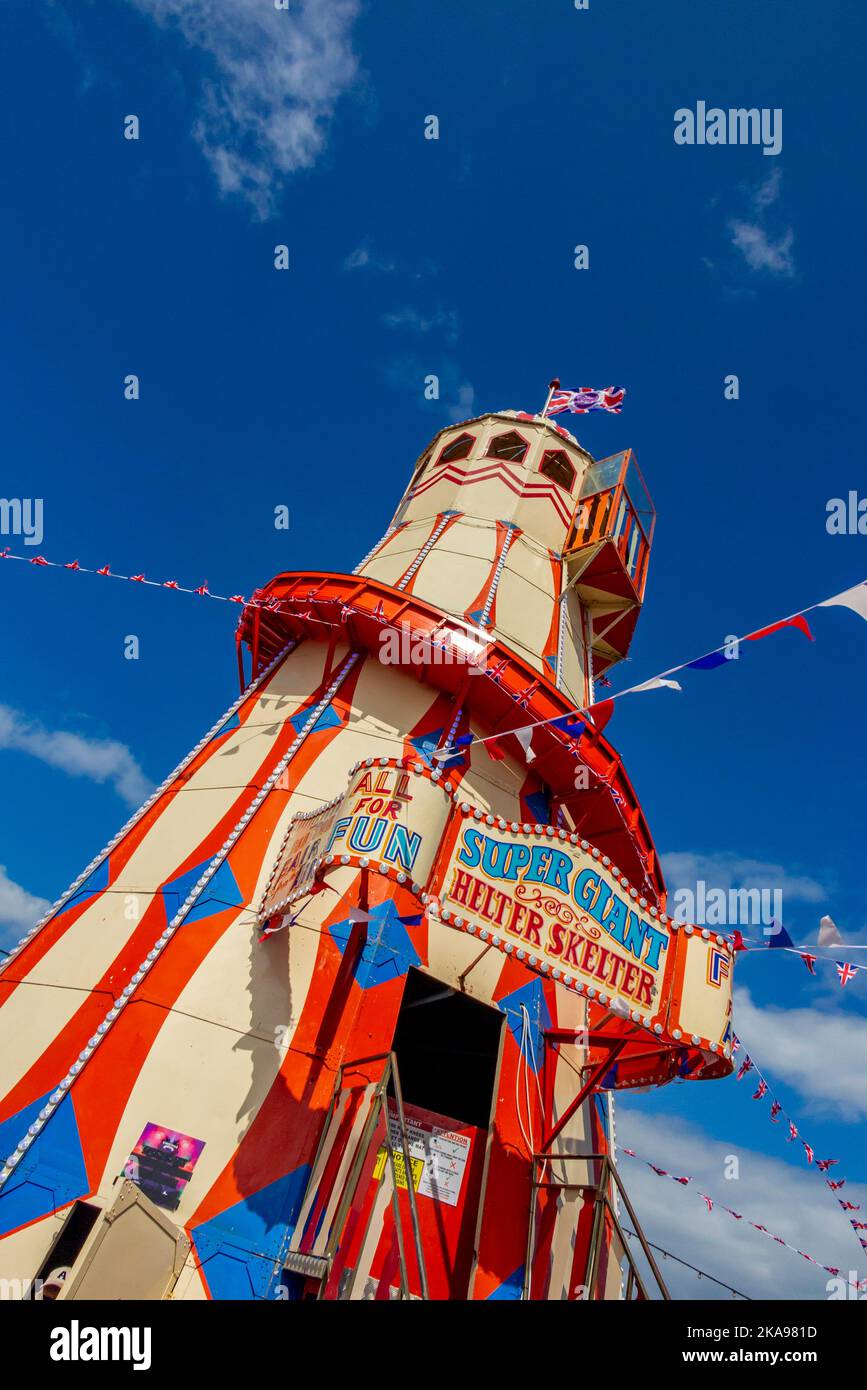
x: 466, y: 478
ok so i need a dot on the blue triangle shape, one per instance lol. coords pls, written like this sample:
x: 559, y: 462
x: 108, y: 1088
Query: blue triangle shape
x: 52, y: 1172
x: 221, y: 892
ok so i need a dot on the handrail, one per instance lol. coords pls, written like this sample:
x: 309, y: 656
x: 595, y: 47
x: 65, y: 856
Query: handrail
x: 603, y: 1205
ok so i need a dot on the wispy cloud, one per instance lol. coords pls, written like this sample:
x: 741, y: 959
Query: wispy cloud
x: 456, y: 397
x: 684, y: 869
x: 18, y: 908
x: 789, y: 1200
x: 102, y: 760
x: 762, y: 248
x: 795, y: 1046
x: 363, y: 257
x: 274, y: 80
x: 759, y: 251
x: 413, y: 320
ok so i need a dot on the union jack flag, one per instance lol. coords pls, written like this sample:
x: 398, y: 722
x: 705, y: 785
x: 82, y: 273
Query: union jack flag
x: 587, y: 399
x: 846, y: 972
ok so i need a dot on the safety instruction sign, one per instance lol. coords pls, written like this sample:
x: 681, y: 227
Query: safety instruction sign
x: 438, y: 1158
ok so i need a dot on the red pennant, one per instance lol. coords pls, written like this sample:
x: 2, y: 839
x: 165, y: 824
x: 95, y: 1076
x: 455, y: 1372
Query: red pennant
x: 72, y: 565
x: 170, y: 584
x: 105, y: 570
x: 494, y: 750
x: 738, y: 943
x: 39, y: 560
x: 809, y: 961
x: 137, y: 578
x: 601, y: 713
x: 799, y: 621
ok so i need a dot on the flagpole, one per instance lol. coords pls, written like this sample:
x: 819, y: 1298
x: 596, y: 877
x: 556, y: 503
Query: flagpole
x: 552, y: 387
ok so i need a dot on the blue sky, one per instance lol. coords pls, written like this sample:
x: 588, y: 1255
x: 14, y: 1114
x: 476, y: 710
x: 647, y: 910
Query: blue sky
x: 408, y: 257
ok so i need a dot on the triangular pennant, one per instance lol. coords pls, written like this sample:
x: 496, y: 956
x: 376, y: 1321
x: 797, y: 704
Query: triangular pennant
x: 798, y: 621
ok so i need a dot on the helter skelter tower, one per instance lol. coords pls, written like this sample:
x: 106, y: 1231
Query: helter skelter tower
x: 339, y: 1013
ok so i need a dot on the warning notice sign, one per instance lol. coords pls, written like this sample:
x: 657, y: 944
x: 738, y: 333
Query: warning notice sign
x: 438, y: 1158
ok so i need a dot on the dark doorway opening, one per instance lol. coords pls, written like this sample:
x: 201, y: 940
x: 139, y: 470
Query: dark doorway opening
x: 67, y: 1247
x: 447, y: 1046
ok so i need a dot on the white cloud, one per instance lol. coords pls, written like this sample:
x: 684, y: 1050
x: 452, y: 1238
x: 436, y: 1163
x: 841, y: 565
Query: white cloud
x: 102, y: 760
x: 768, y: 192
x: 364, y: 258
x: 820, y: 1053
x: 759, y: 251
x: 793, y: 1202
x: 275, y: 79
x: 413, y: 321
x: 683, y: 869
x: 457, y: 396
x: 18, y: 908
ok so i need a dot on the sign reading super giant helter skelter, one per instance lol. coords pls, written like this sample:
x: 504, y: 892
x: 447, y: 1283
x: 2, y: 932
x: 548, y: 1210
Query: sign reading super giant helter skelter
x: 547, y: 898
x: 562, y: 906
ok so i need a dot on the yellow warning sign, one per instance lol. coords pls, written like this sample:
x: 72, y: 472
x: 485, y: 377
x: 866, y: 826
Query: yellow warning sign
x: 416, y: 1164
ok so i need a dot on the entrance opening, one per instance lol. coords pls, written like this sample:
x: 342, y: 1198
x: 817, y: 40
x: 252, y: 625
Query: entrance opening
x: 66, y: 1248
x: 447, y: 1046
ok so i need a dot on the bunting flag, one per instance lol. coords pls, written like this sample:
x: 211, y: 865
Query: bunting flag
x: 778, y: 937
x: 655, y: 683
x: 798, y: 621
x: 746, y: 1065
x: 822, y: 1165
x: 855, y: 598
x: 760, y: 1090
x: 711, y: 1203
x: 828, y: 933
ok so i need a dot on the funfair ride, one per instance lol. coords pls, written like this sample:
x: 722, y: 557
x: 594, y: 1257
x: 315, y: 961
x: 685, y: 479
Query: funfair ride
x: 340, y: 1012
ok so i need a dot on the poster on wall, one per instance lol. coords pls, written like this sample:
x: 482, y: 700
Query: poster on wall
x: 162, y: 1163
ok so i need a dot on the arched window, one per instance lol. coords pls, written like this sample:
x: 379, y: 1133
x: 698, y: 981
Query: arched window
x: 458, y: 449
x: 556, y: 466
x: 508, y: 446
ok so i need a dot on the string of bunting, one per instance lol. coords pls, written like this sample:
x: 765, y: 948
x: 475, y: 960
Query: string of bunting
x: 822, y: 1165
x: 107, y: 572
x: 711, y: 1202
x: 779, y: 940
x: 599, y: 713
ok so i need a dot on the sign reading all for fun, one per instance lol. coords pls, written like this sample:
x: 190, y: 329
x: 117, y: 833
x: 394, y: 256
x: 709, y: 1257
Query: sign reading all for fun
x: 388, y: 814
x: 558, y: 903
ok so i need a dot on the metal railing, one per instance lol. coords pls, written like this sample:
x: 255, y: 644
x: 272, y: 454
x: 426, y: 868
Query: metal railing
x: 599, y: 1193
x: 319, y: 1266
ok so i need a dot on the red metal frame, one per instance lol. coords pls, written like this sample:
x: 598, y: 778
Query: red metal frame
x: 509, y: 694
